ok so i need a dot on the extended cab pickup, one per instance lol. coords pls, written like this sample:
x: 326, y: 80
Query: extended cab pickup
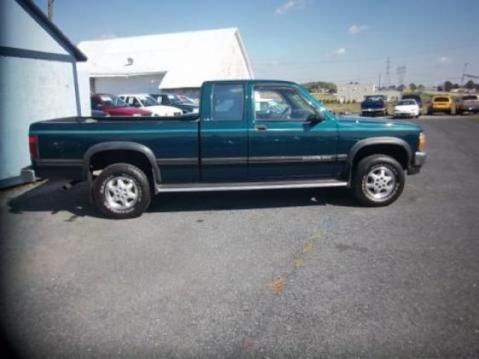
x: 248, y: 135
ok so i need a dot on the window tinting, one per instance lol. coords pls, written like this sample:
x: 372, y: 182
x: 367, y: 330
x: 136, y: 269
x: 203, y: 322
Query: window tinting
x: 227, y: 103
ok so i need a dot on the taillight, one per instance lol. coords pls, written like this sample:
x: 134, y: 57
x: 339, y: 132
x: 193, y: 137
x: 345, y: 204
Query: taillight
x: 33, y: 144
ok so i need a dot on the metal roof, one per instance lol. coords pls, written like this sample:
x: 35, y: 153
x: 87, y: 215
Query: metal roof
x: 187, y: 58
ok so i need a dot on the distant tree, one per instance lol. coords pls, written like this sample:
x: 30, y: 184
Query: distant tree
x: 448, y: 86
x: 321, y: 86
x: 455, y: 86
x: 413, y: 86
x: 421, y: 87
x: 470, y: 85
x: 440, y: 88
x: 401, y: 88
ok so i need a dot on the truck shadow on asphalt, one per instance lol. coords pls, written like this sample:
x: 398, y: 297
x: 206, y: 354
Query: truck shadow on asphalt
x: 53, y: 198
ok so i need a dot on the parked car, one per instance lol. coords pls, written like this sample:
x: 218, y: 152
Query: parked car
x: 228, y: 147
x: 468, y: 103
x: 406, y: 108
x: 98, y: 113
x: 115, y: 106
x: 441, y: 103
x: 374, y: 106
x: 413, y: 96
x: 146, y: 102
x: 176, y: 101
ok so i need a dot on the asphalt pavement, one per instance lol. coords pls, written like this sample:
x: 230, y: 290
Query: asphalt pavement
x: 268, y: 274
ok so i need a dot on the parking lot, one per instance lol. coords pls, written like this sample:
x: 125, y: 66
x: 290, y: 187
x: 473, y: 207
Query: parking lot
x: 296, y: 273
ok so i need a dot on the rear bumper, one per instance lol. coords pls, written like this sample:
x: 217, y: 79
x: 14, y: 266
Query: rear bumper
x: 62, y: 171
x: 373, y: 111
x: 417, y: 162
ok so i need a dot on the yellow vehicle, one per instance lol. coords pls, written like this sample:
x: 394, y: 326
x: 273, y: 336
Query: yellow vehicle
x: 441, y: 103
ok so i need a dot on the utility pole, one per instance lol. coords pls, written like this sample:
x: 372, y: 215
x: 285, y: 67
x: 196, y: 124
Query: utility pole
x: 379, y: 82
x: 387, y: 80
x: 50, y: 10
x: 464, y: 73
x: 401, y: 72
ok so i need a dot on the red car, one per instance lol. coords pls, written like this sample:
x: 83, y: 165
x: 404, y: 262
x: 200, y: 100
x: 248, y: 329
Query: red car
x: 115, y: 106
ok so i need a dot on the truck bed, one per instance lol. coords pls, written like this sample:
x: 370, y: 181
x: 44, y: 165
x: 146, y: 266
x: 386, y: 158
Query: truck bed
x: 64, y: 142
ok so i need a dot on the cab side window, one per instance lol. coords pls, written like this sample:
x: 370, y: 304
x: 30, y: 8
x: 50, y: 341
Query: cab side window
x: 280, y: 104
x: 227, y: 104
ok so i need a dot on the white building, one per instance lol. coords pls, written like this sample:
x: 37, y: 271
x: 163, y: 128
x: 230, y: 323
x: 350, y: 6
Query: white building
x: 178, y: 62
x: 355, y: 91
x: 38, y: 80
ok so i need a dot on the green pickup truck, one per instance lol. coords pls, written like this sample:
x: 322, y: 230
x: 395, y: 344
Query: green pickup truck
x: 248, y: 135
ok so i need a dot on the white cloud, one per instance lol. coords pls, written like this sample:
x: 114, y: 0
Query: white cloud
x: 290, y: 5
x: 340, y: 51
x: 443, y: 59
x: 356, y: 29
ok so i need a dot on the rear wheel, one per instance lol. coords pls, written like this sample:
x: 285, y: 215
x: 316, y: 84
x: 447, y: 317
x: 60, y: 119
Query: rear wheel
x: 122, y: 191
x: 378, y: 180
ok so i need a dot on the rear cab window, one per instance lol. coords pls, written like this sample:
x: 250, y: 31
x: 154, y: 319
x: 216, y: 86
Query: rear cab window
x: 441, y: 99
x: 227, y: 102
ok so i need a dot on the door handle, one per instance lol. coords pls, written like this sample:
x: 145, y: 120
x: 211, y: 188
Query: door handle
x: 261, y: 128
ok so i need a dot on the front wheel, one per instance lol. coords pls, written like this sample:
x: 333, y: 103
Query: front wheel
x: 378, y: 180
x: 122, y: 191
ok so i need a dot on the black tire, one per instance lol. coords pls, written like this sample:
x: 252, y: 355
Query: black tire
x: 125, y: 175
x: 361, y: 178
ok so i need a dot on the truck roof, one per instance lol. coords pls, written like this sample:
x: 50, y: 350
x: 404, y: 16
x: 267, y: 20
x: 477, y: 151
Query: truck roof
x: 250, y: 81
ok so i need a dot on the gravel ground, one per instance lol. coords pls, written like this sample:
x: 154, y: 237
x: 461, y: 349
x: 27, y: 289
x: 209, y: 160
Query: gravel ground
x: 296, y: 273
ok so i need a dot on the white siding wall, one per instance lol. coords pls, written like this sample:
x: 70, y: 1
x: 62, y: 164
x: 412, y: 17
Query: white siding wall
x: 84, y: 88
x: 30, y: 90
x: 134, y: 84
x: 20, y: 30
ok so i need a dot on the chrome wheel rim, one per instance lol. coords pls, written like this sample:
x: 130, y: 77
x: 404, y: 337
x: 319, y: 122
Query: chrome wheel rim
x: 121, y: 193
x: 380, y: 183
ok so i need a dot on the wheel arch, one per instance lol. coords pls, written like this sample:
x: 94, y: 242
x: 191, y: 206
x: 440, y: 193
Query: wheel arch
x: 390, y: 146
x: 112, y: 146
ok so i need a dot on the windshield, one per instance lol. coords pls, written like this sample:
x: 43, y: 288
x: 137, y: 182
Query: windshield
x: 313, y: 102
x: 112, y: 101
x: 465, y: 98
x: 186, y: 100
x: 406, y: 102
x: 441, y: 99
x: 373, y: 99
x: 148, y: 101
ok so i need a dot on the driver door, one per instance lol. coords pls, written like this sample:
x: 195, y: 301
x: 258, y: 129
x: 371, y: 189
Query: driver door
x: 283, y: 141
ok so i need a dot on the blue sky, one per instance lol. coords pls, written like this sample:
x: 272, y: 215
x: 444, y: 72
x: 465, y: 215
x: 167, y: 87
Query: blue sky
x: 305, y: 40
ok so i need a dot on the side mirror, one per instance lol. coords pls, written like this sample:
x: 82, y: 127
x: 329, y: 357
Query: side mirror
x: 315, y: 118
